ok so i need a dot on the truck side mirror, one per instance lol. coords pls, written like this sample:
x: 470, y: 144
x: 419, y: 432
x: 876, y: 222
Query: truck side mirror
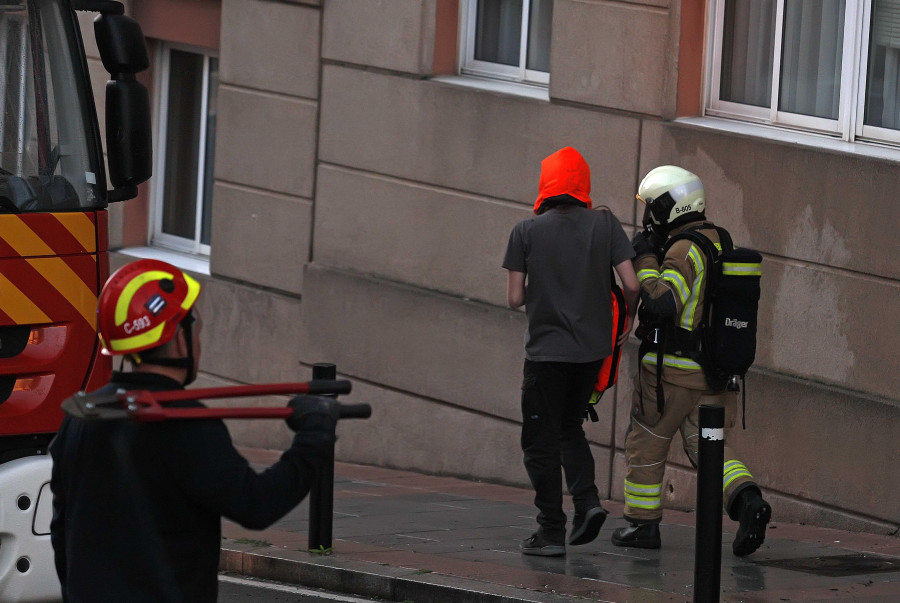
x: 128, y: 136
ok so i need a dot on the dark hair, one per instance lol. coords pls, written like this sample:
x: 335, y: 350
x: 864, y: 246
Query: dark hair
x: 558, y: 200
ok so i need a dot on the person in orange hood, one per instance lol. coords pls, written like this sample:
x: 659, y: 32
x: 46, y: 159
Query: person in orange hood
x: 558, y: 266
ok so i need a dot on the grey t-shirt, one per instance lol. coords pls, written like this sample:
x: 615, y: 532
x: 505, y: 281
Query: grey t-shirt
x: 566, y: 253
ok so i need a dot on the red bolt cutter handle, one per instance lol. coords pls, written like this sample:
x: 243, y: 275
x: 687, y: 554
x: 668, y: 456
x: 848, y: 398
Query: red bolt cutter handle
x: 145, y: 405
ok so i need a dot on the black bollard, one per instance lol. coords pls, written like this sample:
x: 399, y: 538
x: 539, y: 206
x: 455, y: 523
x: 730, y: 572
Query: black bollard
x: 708, y: 546
x: 321, y: 495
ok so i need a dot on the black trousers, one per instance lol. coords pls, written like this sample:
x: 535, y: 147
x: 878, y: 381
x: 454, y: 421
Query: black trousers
x: 554, y: 396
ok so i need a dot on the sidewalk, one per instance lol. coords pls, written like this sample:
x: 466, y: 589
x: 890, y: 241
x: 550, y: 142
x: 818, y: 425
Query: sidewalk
x: 402, y: 536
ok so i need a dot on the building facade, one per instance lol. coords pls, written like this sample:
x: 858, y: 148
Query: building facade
x: 342, y: 175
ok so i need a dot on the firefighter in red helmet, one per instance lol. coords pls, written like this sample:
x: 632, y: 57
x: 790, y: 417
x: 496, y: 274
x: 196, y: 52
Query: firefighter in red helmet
x: 137, y: 507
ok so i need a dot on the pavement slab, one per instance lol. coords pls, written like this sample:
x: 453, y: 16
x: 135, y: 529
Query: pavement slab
x: 402, y: 536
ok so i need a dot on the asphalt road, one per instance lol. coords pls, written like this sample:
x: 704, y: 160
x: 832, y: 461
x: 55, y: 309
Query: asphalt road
x: 233, y: 589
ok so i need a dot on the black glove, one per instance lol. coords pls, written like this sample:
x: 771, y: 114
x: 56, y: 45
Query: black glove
x: 314, y: 419
x: 648, y: 242
x: 641, y: 244
x: 657, y: 241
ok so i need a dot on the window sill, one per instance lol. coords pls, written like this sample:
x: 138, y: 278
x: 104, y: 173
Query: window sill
x: 491, y: 85
x: 192, y: 263
x: 819, y: 142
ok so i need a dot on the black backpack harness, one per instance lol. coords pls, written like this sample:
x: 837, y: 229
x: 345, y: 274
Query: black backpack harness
x: 724, y: 344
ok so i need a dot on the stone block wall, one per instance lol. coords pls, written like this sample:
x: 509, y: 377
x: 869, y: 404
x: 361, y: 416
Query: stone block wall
x: 362, y: 208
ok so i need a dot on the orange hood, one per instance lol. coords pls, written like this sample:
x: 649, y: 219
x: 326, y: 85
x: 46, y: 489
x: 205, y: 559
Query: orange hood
x: 565, y: 172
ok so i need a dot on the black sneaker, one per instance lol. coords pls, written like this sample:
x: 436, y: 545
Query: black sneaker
x: 537, y: 545
x: 586, y: 526
x: 755, y: 515
x: 638, y: 535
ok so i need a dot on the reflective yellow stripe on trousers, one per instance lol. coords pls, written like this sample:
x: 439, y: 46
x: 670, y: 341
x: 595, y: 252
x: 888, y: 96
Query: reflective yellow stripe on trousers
x: 732, y: 471
x: 642, y: 496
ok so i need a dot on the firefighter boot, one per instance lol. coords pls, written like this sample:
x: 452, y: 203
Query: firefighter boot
x: 644, y: 535
x: 753, y: 513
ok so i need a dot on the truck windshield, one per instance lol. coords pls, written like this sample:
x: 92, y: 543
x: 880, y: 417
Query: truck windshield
x: 48, y: 139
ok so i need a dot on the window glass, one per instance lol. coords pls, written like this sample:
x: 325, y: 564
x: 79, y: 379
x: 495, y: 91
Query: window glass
x: 811, y: 57
x: 883, y: 84
x: 49, y: 151
x: 748, y: 51
x: 213, y: 87
x: 825, y: 66
x: 498, y: 31
x: 507, y: 39
x: 182, y: 143
x: 540, y: 24
x: 187, y: 150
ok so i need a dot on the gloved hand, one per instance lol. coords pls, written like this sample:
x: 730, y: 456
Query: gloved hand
x: 314, y: 419
x: 657, y: 240
x: 648, y: 242
x: 641, y: 244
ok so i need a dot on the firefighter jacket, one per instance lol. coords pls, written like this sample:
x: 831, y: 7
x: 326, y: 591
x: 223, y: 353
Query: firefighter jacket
x: 673, y: 294
x: 138, y: 506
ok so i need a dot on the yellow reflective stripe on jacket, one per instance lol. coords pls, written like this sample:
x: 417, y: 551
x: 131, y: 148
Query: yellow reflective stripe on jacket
x: 674, y: 277
x: 697, y: 257
x: 689, y: 310
x: 742, y: 269
x: 136, y: 341
x: 647, y: 273
x: 733, y: 470
x: 671, y: 360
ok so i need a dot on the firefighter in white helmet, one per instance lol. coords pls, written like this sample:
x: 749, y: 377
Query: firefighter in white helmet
x: 671, y: 311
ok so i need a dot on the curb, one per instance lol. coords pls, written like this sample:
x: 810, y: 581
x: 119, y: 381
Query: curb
x: 365, y: 579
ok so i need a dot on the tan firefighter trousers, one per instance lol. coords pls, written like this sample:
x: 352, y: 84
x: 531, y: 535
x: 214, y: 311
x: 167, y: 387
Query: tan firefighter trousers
x: 650, y: 435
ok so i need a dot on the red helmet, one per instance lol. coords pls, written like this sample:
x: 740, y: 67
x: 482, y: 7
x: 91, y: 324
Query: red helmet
x: 141, y: 305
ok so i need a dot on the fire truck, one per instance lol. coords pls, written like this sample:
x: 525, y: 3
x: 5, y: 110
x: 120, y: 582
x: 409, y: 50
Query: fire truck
x: 54, y: 191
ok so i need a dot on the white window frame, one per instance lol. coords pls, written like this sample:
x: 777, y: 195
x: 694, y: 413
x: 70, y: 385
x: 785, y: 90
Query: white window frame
x: 468, y: 16
x: 849, y: 125
x: 157, y: 236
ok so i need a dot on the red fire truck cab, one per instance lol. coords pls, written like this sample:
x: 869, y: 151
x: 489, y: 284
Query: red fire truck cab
x: 53, y: 198
x: 53, y: 243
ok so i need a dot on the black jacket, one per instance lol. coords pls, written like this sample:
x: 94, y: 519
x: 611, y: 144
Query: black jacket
x: 137, y: 507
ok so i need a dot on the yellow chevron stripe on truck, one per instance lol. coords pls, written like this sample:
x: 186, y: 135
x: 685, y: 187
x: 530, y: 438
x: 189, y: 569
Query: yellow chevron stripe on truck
x: 64, y: 280
x: 25, y: 241
x: 81, y: 227
x: 17, y: 306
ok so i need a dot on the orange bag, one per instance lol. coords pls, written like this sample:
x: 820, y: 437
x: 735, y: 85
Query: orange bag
x: 609, y: 370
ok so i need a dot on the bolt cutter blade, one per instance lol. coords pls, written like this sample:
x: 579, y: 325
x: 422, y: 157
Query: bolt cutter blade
x: 92, y: 407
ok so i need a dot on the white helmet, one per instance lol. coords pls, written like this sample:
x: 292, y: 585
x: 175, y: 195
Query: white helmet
x: 673, y: 196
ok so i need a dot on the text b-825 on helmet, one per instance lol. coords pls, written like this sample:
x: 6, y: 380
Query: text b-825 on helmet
x: 141, y: 306
x: 673, y: 196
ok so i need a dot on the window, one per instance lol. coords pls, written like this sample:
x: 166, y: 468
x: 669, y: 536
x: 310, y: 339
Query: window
x: 829, y: 66
x: 186, y: 142
x: 507, y: 39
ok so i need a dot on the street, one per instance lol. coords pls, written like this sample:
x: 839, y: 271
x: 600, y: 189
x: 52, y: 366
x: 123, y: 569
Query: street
x: 234, y: 589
